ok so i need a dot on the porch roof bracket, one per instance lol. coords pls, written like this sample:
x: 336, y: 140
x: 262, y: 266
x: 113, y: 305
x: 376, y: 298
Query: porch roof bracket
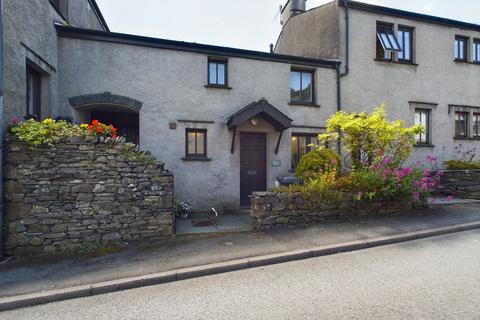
x: 278, y: 141
x: 232, y: 150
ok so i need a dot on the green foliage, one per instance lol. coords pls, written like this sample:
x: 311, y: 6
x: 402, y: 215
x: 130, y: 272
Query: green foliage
x: 47, y: 132
x: 133, y: 153
x: 462, y: 165
x: 372, y: 135
x: 322, y: 189
x: 95, y: 248
x: 313, y: 164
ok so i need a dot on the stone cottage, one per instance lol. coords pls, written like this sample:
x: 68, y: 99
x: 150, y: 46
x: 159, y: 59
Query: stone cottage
x: 230, y: 121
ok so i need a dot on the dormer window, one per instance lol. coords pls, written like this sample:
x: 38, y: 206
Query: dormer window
x: 387, y: 42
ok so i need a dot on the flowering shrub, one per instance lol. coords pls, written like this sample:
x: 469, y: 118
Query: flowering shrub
x: 379, y: 148
x: 365, y: 135
x: 50, y: 132
x: 463, y: 159
x: 97, y: 128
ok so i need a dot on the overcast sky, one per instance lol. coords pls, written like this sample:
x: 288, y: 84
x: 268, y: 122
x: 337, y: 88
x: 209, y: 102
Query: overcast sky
x: 246, y: 24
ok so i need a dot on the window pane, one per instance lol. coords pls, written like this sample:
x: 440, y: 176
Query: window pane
x: 295, y: 155
x: 212, y: 73
x: 295, y: 86
x: 221, y: 73
x: 407, y: 50
x: 30, y: 95
x: 200, y: 143
x: 476, y: 125
x: 191, y: 143
x: 401, y: 54
x: 461, y: 49
x: 460, y: 124
x: 456, y: 49
x: 385, y: 42
x: 302, y: 148
x: 393, y: 41
x: 307, y: 87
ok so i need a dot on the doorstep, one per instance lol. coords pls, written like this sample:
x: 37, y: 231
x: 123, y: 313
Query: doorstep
x: 203, y: 224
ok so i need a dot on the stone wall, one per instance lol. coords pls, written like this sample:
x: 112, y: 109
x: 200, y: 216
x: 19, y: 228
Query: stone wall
x: 80, y: 192
x: 270, y: 209
x: 461, y: 184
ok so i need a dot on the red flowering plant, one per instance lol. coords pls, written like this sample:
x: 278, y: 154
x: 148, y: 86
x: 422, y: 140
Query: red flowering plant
x: 98, y: 129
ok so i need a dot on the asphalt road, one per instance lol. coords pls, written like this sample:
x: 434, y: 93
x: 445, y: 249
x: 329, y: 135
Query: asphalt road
x: 435, y: 278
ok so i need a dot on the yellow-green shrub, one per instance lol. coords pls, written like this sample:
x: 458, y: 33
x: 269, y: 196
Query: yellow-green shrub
x: 316, y: 163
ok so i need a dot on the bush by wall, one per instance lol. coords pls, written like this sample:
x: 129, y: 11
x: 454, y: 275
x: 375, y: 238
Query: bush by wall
x: 79, y: 192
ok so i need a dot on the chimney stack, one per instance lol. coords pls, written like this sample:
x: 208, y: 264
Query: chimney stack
x: 292, y: 8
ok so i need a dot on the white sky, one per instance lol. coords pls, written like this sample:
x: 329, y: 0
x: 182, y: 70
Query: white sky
x: 246, y: 24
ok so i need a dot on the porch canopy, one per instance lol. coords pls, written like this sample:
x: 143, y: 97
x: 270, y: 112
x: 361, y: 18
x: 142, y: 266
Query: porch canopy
x: 263, y: 109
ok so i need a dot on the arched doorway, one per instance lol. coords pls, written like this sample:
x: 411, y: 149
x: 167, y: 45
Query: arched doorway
x: 120, y: 111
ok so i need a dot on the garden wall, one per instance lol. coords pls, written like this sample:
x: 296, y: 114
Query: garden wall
x: 270, y: 209
x: 80, y: 192
x: 461, y: 184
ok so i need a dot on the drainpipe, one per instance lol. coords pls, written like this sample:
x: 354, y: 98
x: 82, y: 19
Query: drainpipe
x: 1, y: 130
x: 347, y: 38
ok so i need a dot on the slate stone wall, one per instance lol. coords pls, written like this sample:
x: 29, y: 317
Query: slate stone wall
x: 80, y: 192
x: 270, y: 209
x: 461, y: 184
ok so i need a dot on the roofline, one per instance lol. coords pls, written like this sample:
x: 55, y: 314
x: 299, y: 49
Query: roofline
x: 99, y: 14
x: 129, y: 39
x: 409, y: 15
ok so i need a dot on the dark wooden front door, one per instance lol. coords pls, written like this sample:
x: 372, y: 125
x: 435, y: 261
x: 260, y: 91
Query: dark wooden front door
x: 253, y: 173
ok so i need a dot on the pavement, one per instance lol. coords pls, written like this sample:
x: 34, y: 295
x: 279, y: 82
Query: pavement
x: 42, y: 278
x: 434, y: 278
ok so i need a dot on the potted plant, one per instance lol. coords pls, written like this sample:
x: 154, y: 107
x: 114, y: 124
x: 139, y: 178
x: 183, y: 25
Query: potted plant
x: 183, y: 209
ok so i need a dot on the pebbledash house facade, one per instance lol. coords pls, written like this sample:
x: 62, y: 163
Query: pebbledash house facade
x: 229, y: 121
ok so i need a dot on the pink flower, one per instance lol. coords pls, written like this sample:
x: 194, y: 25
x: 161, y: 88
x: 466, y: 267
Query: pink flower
x: 416, y: 196
x: 334, y: 162
x: 449, y: 198
x: 387, y: 160
x: 424, y: 186
x: 440, y: 173
x: 426, y: 173
x: 434, y: 200
x: 15, y: 120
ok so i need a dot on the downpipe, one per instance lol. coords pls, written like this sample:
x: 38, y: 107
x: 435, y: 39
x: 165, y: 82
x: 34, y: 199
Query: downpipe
x: 2, y: 203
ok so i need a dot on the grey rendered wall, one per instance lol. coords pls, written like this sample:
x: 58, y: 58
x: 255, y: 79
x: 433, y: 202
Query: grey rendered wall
x: 436, y: 79
x: 312, y: 34
x: 171, y: 85
x: 29, y: 33
x: 82, y: 15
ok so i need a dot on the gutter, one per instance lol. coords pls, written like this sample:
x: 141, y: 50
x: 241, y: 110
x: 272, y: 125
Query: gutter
x: 1, y: 131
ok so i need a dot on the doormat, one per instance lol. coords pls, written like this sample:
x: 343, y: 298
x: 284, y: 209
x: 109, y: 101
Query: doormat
x: 202, y: 223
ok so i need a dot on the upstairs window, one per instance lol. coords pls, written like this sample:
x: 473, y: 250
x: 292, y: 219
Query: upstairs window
x: 217, y: 72
x: 476, y: 51
x: 461, y: 124
x: 476, y: 125
x: 387, y: 43
x: 461, y: 47
x: 34, y: 94
x: 301, y: 86
x: 405, y: 37
x: 422, y: 118
x: 196, y: 144
x: 301, y: 145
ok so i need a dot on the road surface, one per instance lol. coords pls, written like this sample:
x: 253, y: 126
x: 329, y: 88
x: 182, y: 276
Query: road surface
x: 435, y: 278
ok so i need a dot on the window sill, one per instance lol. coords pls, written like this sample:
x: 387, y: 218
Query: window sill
x: 407, y: 63
x: 195, y: 159
x: 467, y: 62
x: 467, y: 138
x: 304, y: 104
x: 424, y: 145
x: 216, y: 86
